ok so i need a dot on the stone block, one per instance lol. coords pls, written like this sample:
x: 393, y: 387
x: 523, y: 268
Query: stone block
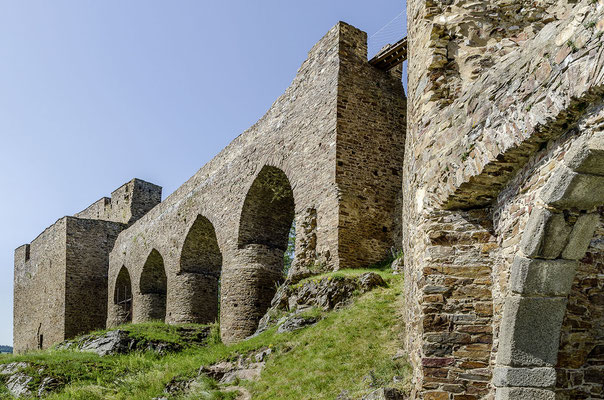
x: 545, y: 235
x: 544, y: 377
x: 581, y: 236
x: 587, y: 156
x: 542, y: 277
x: 568, y: 189
x: 530, y: 331
x: 517, y: 393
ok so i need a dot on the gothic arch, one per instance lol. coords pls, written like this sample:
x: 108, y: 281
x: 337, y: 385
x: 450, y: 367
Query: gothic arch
x: 556, y: 237
x: 122, y: 297
x: 268, y: 211
x: 153, y: 288
x: 199, y: 275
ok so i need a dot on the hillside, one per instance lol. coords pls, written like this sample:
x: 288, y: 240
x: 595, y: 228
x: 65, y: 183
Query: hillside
x: 346, y: 353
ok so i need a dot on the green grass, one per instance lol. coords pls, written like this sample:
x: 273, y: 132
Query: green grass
x: 347, y: 350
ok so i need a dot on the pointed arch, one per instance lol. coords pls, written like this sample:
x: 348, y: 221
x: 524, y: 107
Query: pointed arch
x: 268, y: 210
x: 199, y: 276
x: 122, y: 296
x: 153, y: 287
x: 200, y: 251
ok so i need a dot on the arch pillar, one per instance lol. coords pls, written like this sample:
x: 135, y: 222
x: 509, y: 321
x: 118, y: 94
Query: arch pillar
x: 195, y: 301
x: 249, y: 282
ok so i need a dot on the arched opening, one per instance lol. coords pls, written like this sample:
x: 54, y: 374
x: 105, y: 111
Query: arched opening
x: 264, y: 227
x: 268, y: 211
x: 122, y: 297
x: 153, y: 289
x: 199, y: 276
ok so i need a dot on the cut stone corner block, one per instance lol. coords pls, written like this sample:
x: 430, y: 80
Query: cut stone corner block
x: 581, y: 236
x: 569, y: 189
x: 530, y: 331
x: 518, y: 393
x: 545, y: 235
x: 586, y: 156
x: 542, y: 277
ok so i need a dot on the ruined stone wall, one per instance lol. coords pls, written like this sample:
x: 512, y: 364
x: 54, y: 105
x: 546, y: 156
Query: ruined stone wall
x: 61, y: 277
x: 496, y: 89
x: 300, y: 136
x: 39, y: 290
x: 370, y: 145
x: 127, y: 204
x: 88, y: 243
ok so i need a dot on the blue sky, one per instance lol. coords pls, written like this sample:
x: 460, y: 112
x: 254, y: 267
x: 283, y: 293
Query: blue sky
x: 94, y: 93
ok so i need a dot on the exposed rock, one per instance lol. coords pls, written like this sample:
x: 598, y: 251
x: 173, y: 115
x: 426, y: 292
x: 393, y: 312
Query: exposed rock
x: 398, y: 264
x: 370, y: 280
x: 295, y: 322
x: 48, y: 384
x: 327, y: 293
x: 113, y: 342
x: 122, y: 342
x: 178, y: 385
x: 11, y: 368
x: 18, y: 384
x: 344, y: 395
x: 245, y: 368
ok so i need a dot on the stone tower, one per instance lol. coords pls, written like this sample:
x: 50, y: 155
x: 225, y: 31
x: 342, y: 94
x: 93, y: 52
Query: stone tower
x: 61, y: 276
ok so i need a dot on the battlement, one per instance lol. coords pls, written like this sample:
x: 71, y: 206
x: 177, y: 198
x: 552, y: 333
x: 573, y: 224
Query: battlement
x: 127, y: 204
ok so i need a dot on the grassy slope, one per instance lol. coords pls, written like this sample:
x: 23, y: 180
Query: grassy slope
x: 347, y: 350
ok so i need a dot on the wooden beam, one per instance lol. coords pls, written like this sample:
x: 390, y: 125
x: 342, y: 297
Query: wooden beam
x: 391, y: 56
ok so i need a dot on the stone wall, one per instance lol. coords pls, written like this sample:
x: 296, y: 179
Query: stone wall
x: 500, y: 93
x: 88, y: 243
x: 61, y: 276
x: 127, y: 204
x: 39, y: 290
x: 313, y: 157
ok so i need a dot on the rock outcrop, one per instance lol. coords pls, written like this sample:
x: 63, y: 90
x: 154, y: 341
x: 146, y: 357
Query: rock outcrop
x: 325, y: 293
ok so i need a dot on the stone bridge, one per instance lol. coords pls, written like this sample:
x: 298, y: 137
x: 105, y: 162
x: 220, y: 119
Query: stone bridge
x: 327, y: 155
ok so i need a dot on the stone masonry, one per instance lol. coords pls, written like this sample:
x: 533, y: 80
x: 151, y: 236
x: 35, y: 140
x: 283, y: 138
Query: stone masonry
x: 503, y: 193
x: 497, y: 204
x: 327, y: 155
x: 61, y: 276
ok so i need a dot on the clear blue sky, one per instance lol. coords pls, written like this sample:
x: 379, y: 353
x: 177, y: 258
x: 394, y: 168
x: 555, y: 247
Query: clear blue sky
x: 94, y: 93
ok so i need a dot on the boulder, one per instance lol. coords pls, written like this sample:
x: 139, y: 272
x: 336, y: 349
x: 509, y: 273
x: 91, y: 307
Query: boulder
x: 370, y: 280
